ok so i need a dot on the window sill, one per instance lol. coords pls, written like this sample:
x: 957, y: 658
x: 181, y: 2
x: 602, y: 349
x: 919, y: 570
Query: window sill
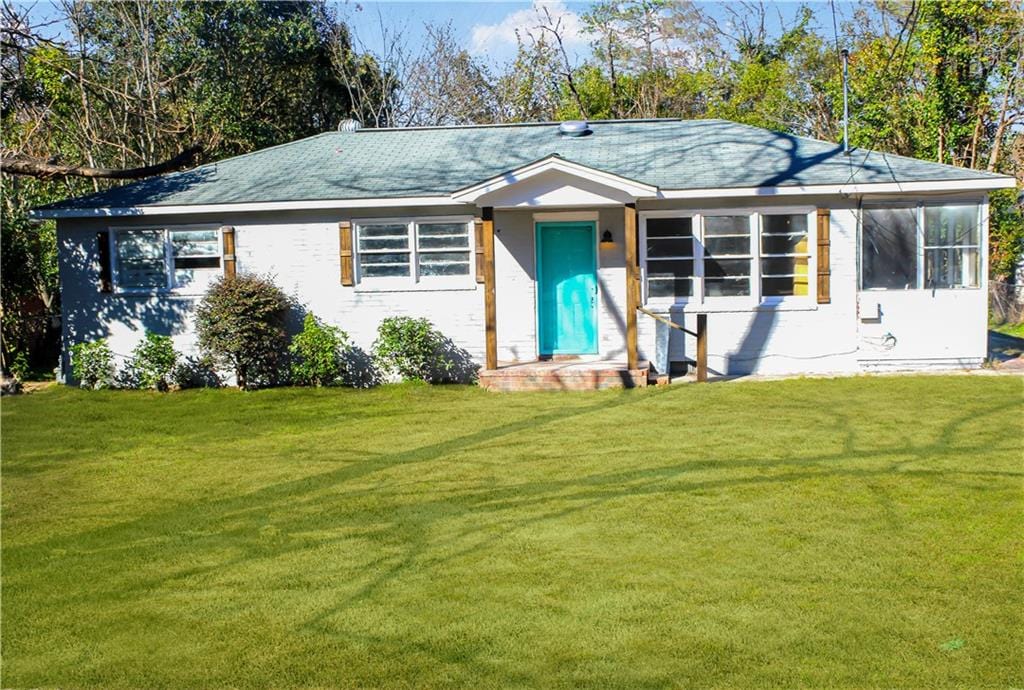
x: 741, y: 305
x: 124, y: 292
x: 361, y: 288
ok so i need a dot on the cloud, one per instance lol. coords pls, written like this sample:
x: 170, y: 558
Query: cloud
x: 500, y: 39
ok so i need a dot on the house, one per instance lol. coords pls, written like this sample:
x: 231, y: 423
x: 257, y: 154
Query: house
x: 576, y: 243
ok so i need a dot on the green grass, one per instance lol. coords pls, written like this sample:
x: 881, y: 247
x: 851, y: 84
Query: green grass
x: 862, y: 532
x: 1014, y: 329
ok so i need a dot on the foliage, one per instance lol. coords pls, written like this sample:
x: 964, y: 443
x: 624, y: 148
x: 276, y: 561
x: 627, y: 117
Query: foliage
x: 195, y: 372
x: 20, y: 368
x: 93, y: 364
x: 814, y: 533
x: 153, y: 362
x: 1006, y: 230
x: 318, y: 353
x: 411, y: 349
x: 240, y: 324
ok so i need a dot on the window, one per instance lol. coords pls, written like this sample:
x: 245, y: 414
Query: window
x: 384, y: 250
x: 727, y: 256
x: 951, y: 246
x: 428, y: 250
x: 162, y: 259
x: 920, y: 246
x: 889, y: 248
x: 785, y: 255
x: 670, y: 257
x: 443, y: 249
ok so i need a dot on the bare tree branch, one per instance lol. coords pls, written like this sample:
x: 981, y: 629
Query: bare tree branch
x: 34, y: 167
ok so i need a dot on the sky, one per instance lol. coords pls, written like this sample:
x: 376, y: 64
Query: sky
x: 488, y: 29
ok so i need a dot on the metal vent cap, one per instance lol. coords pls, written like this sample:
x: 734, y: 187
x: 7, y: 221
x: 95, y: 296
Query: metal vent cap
x: 350, y: 125
x: 574, y: 128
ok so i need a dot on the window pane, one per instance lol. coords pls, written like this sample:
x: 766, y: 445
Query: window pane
x: 670, y: 247
x: 443, y: 235
x: 726, y: 225
x: 383, y: 237
x: 140, y: 259
x: 669, y: 287
x: 375, y: 244
x: 785, y: 265
x: 889, y: 248
x: 784, y: 224
x: 669, y: 227
x: 726, y: 287
x: 951, y: 225
x: 195, y: 243
x: 197, y: 262
x: 950, y: 268
x: 796, y: 286
x: 663, y: 269
x: 444, y: 264
x: 384, y: 265
x: 726, y: 267
x: 726, y: 245
x: 784, y: 244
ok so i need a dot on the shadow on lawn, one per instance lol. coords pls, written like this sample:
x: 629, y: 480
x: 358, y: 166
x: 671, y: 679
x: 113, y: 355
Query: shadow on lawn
x: 314, y: 508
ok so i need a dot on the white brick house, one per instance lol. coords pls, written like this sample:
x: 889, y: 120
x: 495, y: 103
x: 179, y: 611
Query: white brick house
x: 523, y: 243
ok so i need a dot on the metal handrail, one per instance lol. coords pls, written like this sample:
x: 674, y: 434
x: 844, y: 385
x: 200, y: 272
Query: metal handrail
x: 701, y: 334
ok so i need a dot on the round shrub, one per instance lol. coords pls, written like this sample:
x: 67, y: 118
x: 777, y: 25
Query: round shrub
x: 240, y: 323
x: 152, y: 362
x: 93, y: 364
x: 411, y: 349
x: 318, y: 353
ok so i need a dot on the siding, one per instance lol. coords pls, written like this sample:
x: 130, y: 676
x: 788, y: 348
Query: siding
x: 301, y: 251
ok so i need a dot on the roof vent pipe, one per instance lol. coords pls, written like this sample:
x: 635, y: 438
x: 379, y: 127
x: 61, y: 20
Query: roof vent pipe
x: 350, y: 125
x: 574, y: 128
x: 846, y: 101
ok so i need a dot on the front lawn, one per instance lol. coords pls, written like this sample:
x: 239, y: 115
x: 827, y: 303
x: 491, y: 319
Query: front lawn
x: 861, y: 532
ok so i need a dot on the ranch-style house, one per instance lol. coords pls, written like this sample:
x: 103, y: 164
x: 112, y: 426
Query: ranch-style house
x: 561, y: 254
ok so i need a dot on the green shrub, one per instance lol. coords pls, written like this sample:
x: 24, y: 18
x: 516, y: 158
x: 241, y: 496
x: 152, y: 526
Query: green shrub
x: 411, y: 349
x: 152, y: 362
x: 319, y: 353
x: 240, y: 323
x: 19, y: 366
x: 93, y: 364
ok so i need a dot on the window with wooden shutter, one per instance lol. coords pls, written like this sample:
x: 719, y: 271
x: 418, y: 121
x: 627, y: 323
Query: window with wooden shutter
x: 106, y: 283
x: 345, y: 242
x: 824, y: 265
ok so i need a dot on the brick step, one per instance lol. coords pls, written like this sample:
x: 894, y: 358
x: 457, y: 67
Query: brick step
x: 526, y: 379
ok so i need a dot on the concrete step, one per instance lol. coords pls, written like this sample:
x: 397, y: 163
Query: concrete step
x: 545, y: 377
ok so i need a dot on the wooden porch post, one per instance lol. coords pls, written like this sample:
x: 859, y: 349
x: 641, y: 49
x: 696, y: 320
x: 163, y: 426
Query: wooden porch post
x: 632, y: 286
x: 490, y: 309
x: 702, y: 348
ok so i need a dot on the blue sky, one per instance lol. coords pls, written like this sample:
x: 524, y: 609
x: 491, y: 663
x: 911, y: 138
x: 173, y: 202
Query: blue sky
x: 487, y: 29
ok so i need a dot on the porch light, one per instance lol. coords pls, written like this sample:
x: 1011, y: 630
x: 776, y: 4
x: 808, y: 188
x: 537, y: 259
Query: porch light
x: 606, y: 239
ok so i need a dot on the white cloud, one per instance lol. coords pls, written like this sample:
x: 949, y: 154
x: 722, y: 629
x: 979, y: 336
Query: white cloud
x: 499, y: 39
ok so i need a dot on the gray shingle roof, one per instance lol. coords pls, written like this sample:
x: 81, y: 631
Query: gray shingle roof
x: 670, y: 154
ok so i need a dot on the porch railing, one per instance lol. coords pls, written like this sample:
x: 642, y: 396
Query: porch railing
x: 701, y: 334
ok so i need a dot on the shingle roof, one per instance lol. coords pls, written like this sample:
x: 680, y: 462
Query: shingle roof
x: 381, y: 163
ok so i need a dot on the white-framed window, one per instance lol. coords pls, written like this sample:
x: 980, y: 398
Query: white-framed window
x: 727, y: 257
x: 183, y: 259
x: 908, y: 246
x: 417, y: 252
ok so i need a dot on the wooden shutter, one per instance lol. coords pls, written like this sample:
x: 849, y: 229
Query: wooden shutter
x: 228, y: 233
x: 348, y: 276
x: 103, y: 253
x: 824, y: 265
x: 478, y: 243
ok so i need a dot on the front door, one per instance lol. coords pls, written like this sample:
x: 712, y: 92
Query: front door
x: 566, y: 288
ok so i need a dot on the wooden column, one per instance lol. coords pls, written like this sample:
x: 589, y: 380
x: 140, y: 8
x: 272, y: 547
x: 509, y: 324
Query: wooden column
x: 490, y: 306
x: 702, y: 348
x: 632, y: 286
x: 228, y: 233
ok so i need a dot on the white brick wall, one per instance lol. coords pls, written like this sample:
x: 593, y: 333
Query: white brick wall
x: 301, y: 250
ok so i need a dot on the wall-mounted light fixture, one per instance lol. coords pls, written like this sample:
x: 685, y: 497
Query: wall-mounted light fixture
x: 606, y: 239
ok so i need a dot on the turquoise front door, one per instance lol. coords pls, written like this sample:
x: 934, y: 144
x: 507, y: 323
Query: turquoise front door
x: 566, y: 288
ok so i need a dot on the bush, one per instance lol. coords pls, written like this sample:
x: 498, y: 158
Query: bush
x: 195, y: 372
x: 93, y: 364
x: 411, y: 349
x: 319, y: 353
x: 152, y: 362
x: 240, y: 323
x: 19, y: 366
